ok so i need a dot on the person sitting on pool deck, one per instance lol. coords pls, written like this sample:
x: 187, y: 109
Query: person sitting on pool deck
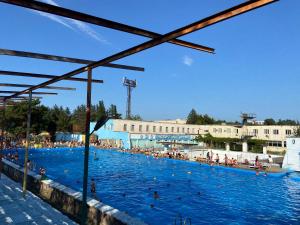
x: 43, y: 173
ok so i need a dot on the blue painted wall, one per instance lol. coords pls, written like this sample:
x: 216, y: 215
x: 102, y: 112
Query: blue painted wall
x: 106, y: 132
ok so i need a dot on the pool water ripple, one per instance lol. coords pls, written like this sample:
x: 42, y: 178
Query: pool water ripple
x: 207, y: 195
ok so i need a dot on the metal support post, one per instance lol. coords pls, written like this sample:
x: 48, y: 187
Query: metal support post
x: 87, y: 148
x: 27, y: 143
x: 2, y: 136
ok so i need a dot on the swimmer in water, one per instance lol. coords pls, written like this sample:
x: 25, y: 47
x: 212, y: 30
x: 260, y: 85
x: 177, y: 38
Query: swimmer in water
x: 95, y: 156
x: 93, y: 187
x: 155, y: 195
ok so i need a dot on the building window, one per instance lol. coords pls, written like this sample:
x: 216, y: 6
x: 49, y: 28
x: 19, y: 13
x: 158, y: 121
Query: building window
x: 183, y: 130
x: 215, y: 130
x: 160, y: 129
x: 132, y: 127
x: 125, y: 127
x: 147, y: 128
x: 274, y: 143
x: 177, y: 129
x: 255, y: 131
x: 140, y: 128
x: 172, y: 129
x: 276, y: 132
x: 193, y: 130
x: 288, y: 132
x: 167, y: 129
x: 188, y: 130
x: 154, y: 129
x: 220, y: 130
x: 237, y: 131
x: 266, y: 131
x: 284, y: 143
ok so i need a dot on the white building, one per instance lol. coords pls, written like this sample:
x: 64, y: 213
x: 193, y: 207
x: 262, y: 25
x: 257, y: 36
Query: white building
x: 161, y: 133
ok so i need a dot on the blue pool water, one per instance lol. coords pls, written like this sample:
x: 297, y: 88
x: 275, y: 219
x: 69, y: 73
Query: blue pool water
x: 207, y: 195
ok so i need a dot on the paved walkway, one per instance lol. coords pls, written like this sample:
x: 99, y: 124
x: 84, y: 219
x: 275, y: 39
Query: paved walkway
x: 14, y: 209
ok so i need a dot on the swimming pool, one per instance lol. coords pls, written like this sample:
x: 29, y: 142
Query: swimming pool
x: 206, y: 195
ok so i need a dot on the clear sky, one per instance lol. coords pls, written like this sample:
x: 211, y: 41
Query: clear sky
x: 255, y: 69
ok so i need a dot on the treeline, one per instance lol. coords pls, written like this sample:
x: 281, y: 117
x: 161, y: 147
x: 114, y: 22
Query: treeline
x: 271, y: 121
x: 195, y: 118
x: 53, y: 119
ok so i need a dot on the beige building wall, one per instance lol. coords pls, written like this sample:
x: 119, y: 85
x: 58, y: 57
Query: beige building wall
x: 274, y: 135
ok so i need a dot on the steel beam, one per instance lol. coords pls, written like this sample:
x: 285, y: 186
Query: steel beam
x: 27, y: 144
x: 38, y: 75
x: 64, y: 59
x: 87, y: 148
x: 44, y: 7
x: 34, y: 93
x: 2, y: 136
x: 221, y: 16
x: 31, y: 86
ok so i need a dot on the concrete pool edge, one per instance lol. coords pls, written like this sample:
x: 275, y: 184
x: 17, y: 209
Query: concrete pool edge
x: 67, y: 200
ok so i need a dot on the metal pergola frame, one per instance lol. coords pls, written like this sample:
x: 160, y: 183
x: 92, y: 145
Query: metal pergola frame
x: 156, y: 39
x: 35, y: 55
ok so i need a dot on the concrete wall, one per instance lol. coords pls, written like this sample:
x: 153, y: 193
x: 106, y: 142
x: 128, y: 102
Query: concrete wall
x: 68, y: 200
x: 239, y: 156
x: 292, y: 157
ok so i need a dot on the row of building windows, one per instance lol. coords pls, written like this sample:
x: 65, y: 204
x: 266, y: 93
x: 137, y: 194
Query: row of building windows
x: 276, y: 132
x: 227, y: 130
x: 160, y: 129
x: 276, y: 143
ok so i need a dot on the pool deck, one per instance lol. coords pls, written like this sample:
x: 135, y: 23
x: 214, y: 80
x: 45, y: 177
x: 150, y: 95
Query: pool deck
x: 14, y: 209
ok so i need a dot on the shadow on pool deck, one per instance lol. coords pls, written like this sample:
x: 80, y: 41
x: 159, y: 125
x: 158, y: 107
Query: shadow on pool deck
x: 14, y: 209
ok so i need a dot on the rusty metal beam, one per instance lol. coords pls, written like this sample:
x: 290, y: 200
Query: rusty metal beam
x: 221, y: 16
x: 64, y: 59
x: 38, y: 75
x: 31, y: 86
x: 34, y: 93
x: 44, y: 7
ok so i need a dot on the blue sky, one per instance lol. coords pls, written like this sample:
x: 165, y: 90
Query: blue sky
x: 255, y: 69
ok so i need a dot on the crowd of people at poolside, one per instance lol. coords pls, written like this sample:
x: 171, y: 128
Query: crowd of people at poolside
x: 31, y: 166
x: 171, y: 154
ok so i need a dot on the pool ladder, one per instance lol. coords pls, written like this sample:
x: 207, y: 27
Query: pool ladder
x: 182, y: 221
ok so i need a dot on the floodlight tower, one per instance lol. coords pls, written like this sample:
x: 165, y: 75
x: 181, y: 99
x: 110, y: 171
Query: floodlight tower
x: 129, y: 84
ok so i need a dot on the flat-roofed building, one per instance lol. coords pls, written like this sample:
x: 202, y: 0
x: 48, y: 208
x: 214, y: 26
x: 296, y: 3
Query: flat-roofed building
x: 147, y: 134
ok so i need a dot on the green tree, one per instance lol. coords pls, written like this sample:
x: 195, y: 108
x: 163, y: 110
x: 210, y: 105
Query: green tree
x: 17, y: 117
x: 297, y: 131
x: 136, y: 117
x: 192, y: 117
x: 287, y: 122
x: 269, y: 121
x: 113, y: 112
